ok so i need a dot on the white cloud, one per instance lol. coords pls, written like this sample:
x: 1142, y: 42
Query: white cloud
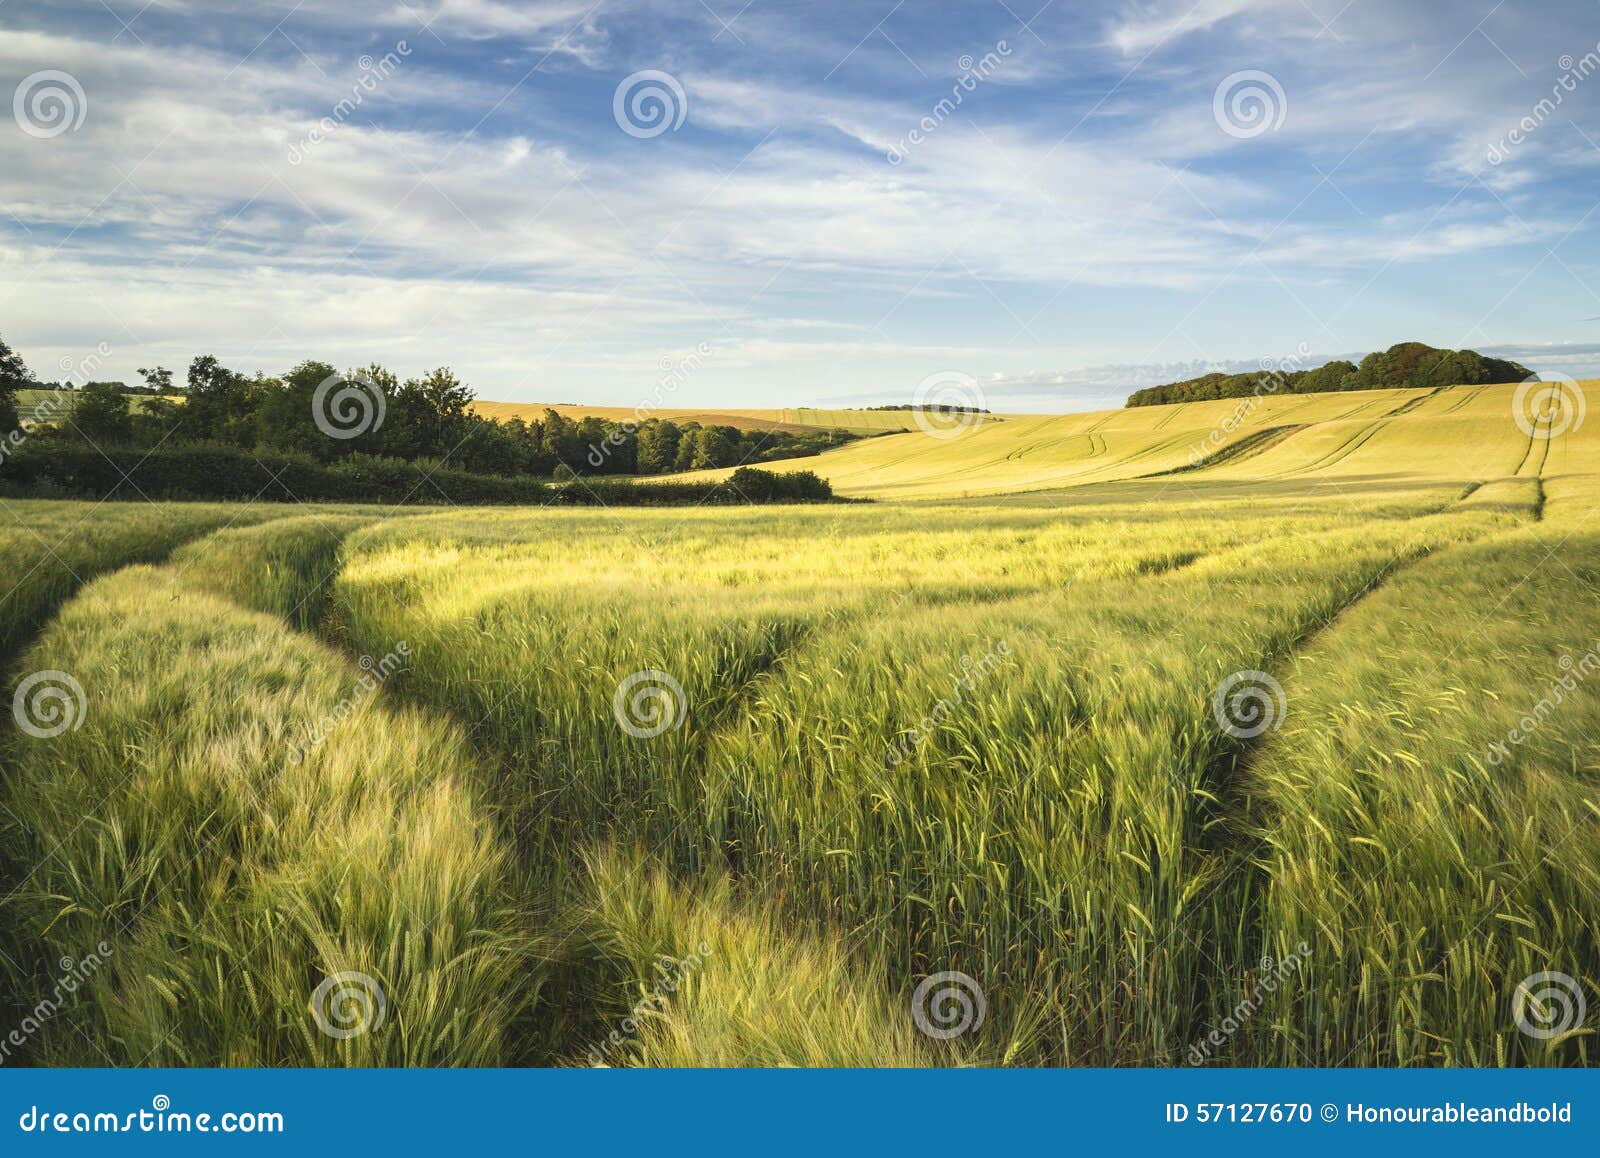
x: 569, y: 248
x: 1151, y: 26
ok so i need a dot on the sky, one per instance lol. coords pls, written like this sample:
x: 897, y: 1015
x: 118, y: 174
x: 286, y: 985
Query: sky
x: 729, y: 203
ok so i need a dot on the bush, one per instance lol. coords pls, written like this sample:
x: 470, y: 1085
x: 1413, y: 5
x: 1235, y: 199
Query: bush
x: 762, y: 486
x: 217, y: 471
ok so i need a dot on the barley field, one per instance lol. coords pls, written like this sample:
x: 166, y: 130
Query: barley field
x: 1182, y: 735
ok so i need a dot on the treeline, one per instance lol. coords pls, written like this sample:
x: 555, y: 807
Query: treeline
x: 659, y: 446
x: 1402, y: 366
x: 361, y: 435
x: 214, y: 471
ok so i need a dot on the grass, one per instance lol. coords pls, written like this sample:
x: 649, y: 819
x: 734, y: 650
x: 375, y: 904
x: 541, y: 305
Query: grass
x: 52, y: 405
x: 284, y: 568
x: 1431, y: 862
x: 910, y: 737
x: 1044, y: 837
x: 231, y: 864
x: 703, y: 979
x: 52, y: 547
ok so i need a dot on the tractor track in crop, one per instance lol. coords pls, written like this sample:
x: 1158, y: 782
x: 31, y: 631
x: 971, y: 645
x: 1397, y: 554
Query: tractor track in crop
x: 1232, y: 817
x: 1253, y: 444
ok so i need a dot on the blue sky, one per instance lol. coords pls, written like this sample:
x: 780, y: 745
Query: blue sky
x: 1092, y: 216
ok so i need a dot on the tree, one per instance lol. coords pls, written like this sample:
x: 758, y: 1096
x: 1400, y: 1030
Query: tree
x: 156, y: 420
x: 657, y: 446
x: 158, y: 379
x: 101, y: 415
x: 288, y: 415
x: 689, y: 436
x: 220, y: 404
x: 559, y: 441
x: 14, y: 376
x: 715, y: 446
x: 427, y: 416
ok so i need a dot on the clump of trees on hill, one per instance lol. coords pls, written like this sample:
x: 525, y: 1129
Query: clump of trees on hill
x: 1408, y: 364
x: 379, y: 421
x: 930, y: 407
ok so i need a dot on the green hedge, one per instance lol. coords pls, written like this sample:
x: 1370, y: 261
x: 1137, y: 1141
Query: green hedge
x: 216, y: 471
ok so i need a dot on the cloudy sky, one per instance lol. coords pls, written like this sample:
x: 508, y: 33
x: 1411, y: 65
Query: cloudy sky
x: 828, y: 200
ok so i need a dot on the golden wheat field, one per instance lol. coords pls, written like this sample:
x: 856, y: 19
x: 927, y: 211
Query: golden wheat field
x: 1258, y: 732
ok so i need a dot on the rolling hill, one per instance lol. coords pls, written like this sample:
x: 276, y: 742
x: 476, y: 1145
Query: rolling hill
x: 1469, y: 431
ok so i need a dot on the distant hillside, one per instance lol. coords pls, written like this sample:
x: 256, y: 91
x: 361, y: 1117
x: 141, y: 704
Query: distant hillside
x: 1300, y: 443
x: 793, y: 421
x: 1404, y: 366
